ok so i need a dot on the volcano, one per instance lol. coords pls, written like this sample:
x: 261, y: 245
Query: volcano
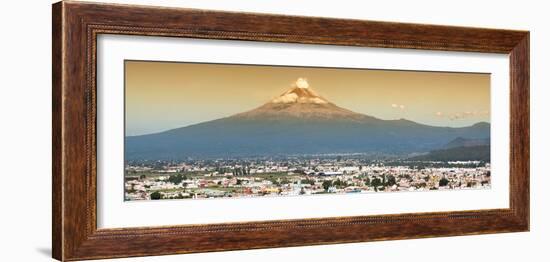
x: 299, y: 121
x: 301, y: 102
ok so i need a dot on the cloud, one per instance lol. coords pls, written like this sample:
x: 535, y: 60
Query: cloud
x: 397, y: 106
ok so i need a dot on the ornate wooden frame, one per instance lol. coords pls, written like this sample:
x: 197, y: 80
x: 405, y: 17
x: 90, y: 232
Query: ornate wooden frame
x: 76, y: 26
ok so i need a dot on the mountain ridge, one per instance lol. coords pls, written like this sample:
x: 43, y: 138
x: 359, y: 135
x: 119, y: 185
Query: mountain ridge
x: 299, y: 121
x: 465, y: 142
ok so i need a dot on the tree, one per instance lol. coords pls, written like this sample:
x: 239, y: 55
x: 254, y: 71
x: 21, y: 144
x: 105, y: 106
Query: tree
x: 376, y: 182
x: 339, y: 183
x: 367, y: 181
x: 175, y: 179
x: 132, y: 189
x: 391, y: 181
x: 443, y: 182
x: 156, y: 195
x: 327, y: 184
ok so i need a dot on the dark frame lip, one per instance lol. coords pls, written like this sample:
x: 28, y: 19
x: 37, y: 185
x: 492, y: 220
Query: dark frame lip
x: 75, y: 28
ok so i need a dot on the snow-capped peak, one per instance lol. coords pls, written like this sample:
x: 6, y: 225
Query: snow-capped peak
x: 302, y: 83
x: 300, y: 93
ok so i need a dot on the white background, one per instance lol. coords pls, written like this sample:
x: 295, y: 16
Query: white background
x: 113, y: 212
x: 25, y: 147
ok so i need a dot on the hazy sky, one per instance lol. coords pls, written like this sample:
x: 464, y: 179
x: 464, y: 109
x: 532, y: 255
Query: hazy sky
x: 164, y: 95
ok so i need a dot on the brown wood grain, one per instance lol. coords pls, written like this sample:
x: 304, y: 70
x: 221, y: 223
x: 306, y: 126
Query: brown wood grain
x: 76, y: 26
x: 57, y: 195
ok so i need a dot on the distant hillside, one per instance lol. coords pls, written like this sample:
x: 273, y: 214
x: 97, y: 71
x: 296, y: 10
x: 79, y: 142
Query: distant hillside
x: 467, y: 142
x: 465, y: 153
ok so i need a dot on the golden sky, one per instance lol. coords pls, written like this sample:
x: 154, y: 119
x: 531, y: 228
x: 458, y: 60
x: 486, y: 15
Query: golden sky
x: 165, y: 95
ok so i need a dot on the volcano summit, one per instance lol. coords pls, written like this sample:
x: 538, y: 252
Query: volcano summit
x: 300, y: 102
x: 299, y: 121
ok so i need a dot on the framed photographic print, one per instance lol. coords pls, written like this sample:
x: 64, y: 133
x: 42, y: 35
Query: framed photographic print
x: 181, y: 130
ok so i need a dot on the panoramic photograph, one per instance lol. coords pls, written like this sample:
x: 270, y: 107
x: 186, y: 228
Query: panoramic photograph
x: 203, y: 130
